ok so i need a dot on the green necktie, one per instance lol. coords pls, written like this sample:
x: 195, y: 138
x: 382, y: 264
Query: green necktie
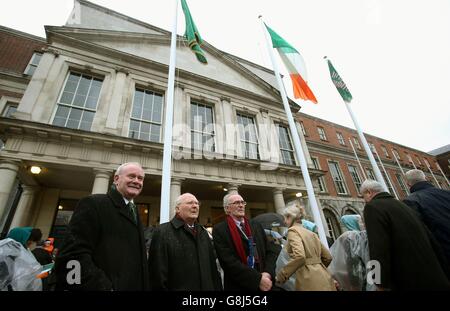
x: 132, y: 211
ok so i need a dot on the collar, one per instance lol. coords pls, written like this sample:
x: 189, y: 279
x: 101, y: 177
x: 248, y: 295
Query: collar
x: 127, y: 201
x: 382, y: 195
x: 421, y: 185
x: 178, y: 222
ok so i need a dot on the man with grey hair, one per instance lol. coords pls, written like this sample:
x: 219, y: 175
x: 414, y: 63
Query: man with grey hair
x: 181, y: 255
x: 105, y: 239
x: 246, y: 256
x: 399, y: 244
x: 433, y: 207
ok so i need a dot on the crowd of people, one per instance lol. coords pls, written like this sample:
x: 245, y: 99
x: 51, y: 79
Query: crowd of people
x: 394, y: 246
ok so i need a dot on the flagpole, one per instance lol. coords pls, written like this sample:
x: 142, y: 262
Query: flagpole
x: 357, y: 159
x: 440, y: 169
x: 164, y: 213
x: 412, y: 161
x: 401, y: 169
x: 429, y: 169
x: 297, y: 144
x: 385, y: 173
x: 376, y: 170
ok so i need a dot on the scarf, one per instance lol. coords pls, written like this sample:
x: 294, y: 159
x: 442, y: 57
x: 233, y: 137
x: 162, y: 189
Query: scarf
x: 237, y: 240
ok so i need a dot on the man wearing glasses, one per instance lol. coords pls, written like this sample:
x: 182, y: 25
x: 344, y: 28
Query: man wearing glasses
x: 246, y: 257
x: 181, y: 255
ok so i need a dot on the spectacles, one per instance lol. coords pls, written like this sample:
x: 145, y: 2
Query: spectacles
x: 193, y: 203
x: 238, y: 202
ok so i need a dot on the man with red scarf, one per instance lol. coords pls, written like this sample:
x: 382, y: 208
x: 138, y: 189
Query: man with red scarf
x: 247, y: 258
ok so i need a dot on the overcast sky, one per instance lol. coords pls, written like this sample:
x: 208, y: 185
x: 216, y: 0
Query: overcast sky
x: 394, y: 55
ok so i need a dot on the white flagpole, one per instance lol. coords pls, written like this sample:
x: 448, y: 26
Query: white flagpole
x: 412, y: 161
x: 401, y: 169
x: 431, y: 172
x: 164, y: 213
x: 440, y: 169
x: 297, y: 144
x: 385, y: 173
x: 357, y: 159
x: 376, y: 170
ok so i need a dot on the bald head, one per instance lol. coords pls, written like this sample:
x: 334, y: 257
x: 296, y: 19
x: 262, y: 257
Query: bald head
x: 414, y: 176
x: 187, y: 208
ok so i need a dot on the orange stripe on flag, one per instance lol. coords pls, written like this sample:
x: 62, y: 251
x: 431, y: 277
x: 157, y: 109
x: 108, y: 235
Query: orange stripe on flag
x: 301, y: 89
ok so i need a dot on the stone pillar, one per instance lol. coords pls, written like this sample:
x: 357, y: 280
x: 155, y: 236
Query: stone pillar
x: 101, y: 181
x: 116, y: 102
x: 8, y: 174
x: 175, y: 192
x: 278, y: 200
x: 233, y: 188
x: 32, y: 92
x: 25, y: 209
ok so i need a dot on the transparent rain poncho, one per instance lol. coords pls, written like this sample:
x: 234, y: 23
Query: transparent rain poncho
x: 18, y: 268
x: 350, y: 253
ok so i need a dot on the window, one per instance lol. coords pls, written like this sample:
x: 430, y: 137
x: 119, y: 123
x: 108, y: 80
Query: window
x: 427, y: 164
x: 356, y: 141
x: 10, y: 108
x: 337, y: 177
x: 321, y: 181
x: 322, y: 134
x: 401, y: 183
x: 202, y: 127
x: 287, y: 153
x: 78, y: 101
x: 332, y: 224
x: 418, y: 159
x: 146, y: 116
x: 355, y: 177
x: 302, y: 126
x: 370, y: 174
x: 372, y: 148
x: 387, y: 181
x: 340, y: 138
x: 248, y: 136
x: 32, y: 65
x: 410, y: 159
x: 395, y: 152
x: 385, y: 152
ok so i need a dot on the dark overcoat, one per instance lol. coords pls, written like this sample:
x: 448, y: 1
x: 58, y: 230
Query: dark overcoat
x: 238, y: 276
x: 399, y: 241
x: 181, y: 260
x: 433, y: 207
x: 107, y: 243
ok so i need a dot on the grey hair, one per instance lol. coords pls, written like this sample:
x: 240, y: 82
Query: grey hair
x: 122, y: 166
x: 226, y: 198
x: 295, y: 210
x: 371, y: 185
x: 414, y: 176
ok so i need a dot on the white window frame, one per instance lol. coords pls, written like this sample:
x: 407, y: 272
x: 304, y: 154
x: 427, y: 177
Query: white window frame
x: 322, y: 134
x: 396, y: 154
x: 245, y: 142
x: 193, y: 130
x: 9, y: 105
x: 401, y: 183
x: 322, y: 185
x: 338, y: 179
x: 291, y: 151
x: 34, y: 62
x: 386, y: 153
x: 357, y: 181
x: 340, y: 138
x: 356, y: 141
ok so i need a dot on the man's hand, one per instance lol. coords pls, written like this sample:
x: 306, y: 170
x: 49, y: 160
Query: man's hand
x: 266, y: 283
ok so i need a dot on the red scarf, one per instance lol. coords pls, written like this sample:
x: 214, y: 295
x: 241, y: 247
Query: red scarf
x: 236, y: 237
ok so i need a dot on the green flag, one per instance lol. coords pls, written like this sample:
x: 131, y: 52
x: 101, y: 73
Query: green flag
x: 192, y: 35
x: 340, y: 85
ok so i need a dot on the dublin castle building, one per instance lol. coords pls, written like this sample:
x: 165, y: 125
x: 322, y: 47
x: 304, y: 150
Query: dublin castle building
x: 91, y: 95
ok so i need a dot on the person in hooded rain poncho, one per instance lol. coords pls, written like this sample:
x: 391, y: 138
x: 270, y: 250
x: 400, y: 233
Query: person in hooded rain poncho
x: 350, y: 254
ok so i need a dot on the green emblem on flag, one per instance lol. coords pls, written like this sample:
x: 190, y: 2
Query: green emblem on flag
x: 340, y: 85
x: 192, y: 35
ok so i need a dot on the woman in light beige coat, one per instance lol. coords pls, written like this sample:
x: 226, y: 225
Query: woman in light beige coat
x: 308, y: 257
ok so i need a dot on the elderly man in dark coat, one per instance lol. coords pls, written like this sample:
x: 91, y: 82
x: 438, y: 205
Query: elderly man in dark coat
x: 181, y: 255
x: 105, y: 248
x: 400, y: 243
x: 247, y: 258
x: 433, y: 207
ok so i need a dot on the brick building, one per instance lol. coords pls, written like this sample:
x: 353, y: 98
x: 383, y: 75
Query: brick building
x: 90, y: 96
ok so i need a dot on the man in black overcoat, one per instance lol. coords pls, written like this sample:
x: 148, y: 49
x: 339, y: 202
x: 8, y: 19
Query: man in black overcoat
x: 399, y: 243
x: 247, y: 258
x: 181, y: 255
x: 104, y: 248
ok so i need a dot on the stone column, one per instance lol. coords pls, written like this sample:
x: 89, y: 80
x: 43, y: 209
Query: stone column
x: 278, y: 200
x: 233, y: 188
x: 25, y: 209
x: 175, y: 192
x: 116, y: 101
x: 8, y: 174
x: 34, y: 89
x: 101, y: 181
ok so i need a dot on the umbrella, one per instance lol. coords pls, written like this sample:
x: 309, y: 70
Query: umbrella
x: 270, y: 220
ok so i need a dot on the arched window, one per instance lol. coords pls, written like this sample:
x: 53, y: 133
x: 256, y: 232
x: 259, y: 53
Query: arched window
x: 334, y: 230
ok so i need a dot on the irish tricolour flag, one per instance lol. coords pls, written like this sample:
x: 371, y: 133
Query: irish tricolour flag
x: 295, y: 65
